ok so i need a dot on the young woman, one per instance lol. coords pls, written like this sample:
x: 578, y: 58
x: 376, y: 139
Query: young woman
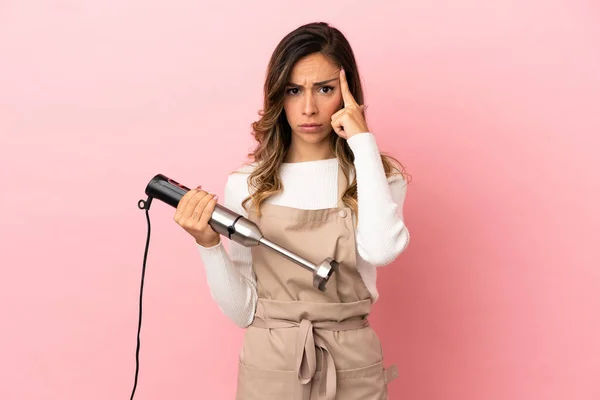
x: 318, y: 186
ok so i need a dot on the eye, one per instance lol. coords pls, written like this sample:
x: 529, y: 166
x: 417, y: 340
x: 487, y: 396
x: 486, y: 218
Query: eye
x: 327, y: 89
x: 292, y: 91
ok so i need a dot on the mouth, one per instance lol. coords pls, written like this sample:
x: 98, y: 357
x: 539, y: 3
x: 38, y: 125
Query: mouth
x: 310, y: 127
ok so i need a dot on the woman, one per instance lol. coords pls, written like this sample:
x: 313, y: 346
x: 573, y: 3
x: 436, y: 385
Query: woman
x: 315, y: 173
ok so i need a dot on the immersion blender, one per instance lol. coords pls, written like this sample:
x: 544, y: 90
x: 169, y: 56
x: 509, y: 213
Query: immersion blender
x: 238, y: 228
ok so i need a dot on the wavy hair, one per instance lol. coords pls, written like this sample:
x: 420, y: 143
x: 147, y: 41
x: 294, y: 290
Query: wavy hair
x: 272, y: 131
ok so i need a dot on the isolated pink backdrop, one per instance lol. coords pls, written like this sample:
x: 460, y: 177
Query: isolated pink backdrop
x: 494, y: 107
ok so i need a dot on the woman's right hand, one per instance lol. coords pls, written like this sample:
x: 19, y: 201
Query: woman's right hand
x: 193, y: 213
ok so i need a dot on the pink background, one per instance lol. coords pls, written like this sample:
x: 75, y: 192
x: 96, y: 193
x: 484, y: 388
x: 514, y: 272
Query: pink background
x: 493, y: 106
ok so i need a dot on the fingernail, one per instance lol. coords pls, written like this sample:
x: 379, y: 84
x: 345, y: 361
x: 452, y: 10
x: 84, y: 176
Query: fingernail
x: 216, y: 198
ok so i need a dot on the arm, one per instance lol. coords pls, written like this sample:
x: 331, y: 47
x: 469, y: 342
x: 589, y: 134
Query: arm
x: 229, y: 274
x: 381, y: 233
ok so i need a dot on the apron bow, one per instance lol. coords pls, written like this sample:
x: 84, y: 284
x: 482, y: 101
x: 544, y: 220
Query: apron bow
x: 307, y: 343
x: 306, y: 362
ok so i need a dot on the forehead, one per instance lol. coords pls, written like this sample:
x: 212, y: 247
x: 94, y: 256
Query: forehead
x: 313, y: 68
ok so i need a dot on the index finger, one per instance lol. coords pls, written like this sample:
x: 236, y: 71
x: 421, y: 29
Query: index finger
x: 346, y: 94
x: 186, y: 198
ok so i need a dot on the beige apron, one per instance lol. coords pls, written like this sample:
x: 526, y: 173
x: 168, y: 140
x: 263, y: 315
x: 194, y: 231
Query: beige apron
x: 306, y: 344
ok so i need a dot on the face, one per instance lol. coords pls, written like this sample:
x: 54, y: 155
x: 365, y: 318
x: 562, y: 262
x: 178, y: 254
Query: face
x: 311, y: 97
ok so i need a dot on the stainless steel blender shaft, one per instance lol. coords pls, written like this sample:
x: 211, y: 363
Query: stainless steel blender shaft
x: 247, y: 233
x: 288, y: 254
x: 321, y: 272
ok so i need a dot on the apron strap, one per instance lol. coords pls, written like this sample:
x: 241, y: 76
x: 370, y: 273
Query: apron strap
x: 390, y: 373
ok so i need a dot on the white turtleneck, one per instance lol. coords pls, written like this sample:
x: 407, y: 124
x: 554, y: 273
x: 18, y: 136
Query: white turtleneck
x: 381, y: 234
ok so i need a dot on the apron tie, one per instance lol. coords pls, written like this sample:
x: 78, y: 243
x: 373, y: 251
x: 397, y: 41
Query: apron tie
x: 306, y: 359
x: 307, y: 343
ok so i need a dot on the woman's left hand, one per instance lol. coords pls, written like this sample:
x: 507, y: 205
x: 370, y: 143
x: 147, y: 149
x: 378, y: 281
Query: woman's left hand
x: 350, y: 120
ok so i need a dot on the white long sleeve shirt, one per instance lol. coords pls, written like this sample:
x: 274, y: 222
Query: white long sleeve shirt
x: 381, y: 234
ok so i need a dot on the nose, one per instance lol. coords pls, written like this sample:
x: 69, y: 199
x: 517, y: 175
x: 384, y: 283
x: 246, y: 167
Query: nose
x: 310, y: 104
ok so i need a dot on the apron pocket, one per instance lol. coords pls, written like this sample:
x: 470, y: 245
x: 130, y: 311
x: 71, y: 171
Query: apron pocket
x: 264, y: 384
x: 362, y: 383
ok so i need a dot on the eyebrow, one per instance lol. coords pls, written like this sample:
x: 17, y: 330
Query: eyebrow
x: 315, y: 84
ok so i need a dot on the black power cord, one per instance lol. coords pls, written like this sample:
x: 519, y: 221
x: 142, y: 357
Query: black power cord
x: 142, y: 205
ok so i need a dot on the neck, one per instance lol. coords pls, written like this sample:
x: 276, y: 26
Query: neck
x: 303, y: 152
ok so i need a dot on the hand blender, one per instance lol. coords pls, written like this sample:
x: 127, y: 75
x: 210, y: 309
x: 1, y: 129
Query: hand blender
x: 239, y: 229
